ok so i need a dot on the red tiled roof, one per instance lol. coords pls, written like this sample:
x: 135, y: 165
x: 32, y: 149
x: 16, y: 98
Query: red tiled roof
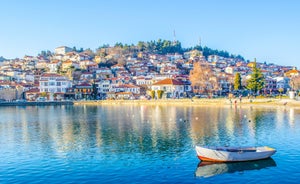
x: 168, y: 82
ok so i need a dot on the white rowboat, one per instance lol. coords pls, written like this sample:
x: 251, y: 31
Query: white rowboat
x: 233, y: 154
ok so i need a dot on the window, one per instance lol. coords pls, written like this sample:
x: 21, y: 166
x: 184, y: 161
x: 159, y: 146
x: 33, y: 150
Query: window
x: 58, y: 84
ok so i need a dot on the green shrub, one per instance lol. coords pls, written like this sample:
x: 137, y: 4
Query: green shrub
x: 160, y: 93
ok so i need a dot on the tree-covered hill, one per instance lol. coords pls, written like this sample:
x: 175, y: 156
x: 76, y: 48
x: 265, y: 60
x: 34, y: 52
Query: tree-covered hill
x: 168, y: 47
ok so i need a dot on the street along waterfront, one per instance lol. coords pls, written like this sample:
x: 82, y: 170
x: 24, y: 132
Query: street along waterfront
x: 143, y: 143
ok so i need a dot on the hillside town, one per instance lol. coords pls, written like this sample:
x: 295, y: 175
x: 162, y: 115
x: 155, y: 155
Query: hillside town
x: 69, y: 74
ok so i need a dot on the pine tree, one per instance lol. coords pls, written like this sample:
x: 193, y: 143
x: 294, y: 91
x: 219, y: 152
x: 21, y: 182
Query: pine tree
x: 237, y: 81
x: 256, y: 82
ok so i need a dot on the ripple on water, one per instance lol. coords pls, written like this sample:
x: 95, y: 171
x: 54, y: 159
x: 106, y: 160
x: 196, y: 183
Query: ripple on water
x: 153, y: 144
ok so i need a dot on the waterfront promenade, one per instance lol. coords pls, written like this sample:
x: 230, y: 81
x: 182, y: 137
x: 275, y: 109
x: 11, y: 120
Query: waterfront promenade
x: 47, y: 103
x: 199, y: 102
x: 178, y: 102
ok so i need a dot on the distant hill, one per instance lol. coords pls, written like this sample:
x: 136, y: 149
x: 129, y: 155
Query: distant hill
x: 163, y: 47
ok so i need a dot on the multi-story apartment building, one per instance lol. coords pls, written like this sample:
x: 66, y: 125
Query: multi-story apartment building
x: 54, y: 83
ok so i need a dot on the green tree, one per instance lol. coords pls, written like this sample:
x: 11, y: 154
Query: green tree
x: 160, y: 93
x: 152, y: 94
x: 237, y: 81
x: 43, y: 94
x: 141, y: 45
x: 256, y: 81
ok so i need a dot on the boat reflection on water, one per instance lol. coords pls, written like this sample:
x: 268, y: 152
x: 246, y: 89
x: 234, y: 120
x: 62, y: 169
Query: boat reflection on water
x: 209, y: 169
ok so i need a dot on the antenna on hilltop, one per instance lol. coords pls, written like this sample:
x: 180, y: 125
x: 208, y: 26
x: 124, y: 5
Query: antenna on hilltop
x: 199, y: 41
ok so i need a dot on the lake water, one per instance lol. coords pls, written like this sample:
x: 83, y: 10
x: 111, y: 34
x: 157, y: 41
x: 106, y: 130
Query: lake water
x: 144, y: 144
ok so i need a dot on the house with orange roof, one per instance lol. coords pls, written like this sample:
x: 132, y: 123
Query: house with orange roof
x: 68, y: 64
x: 292, y: 73
x: 172, y: 88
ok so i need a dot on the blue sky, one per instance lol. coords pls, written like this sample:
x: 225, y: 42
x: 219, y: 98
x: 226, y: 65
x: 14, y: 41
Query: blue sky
x: 264, y: 29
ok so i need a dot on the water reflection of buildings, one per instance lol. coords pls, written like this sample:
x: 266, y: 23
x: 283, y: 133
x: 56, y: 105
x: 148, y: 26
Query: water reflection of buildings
x: 160, y: 128
x: 286, y: 115
x: 215, y: 125
x: 292, y: 117
x: 225, y: 125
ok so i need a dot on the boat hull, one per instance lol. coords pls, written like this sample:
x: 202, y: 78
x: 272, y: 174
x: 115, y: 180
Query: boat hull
x: 233, y: 154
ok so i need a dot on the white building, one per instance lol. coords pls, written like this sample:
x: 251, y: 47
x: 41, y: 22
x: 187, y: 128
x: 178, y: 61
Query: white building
x: 172, y: 88
x: 143, y: 81
x: 282, y: 82
x: 54, y: 83
x: 62, y: 50
x: 103, y: 86
x: 125, y: 88
x: 53, y: 66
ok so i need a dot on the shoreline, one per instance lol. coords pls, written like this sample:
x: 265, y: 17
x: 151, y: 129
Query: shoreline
x: 199, y: 102
x: 218, y: 102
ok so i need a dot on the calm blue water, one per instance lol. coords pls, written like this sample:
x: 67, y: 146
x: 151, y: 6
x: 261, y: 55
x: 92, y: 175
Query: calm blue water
x: 144, y: 144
